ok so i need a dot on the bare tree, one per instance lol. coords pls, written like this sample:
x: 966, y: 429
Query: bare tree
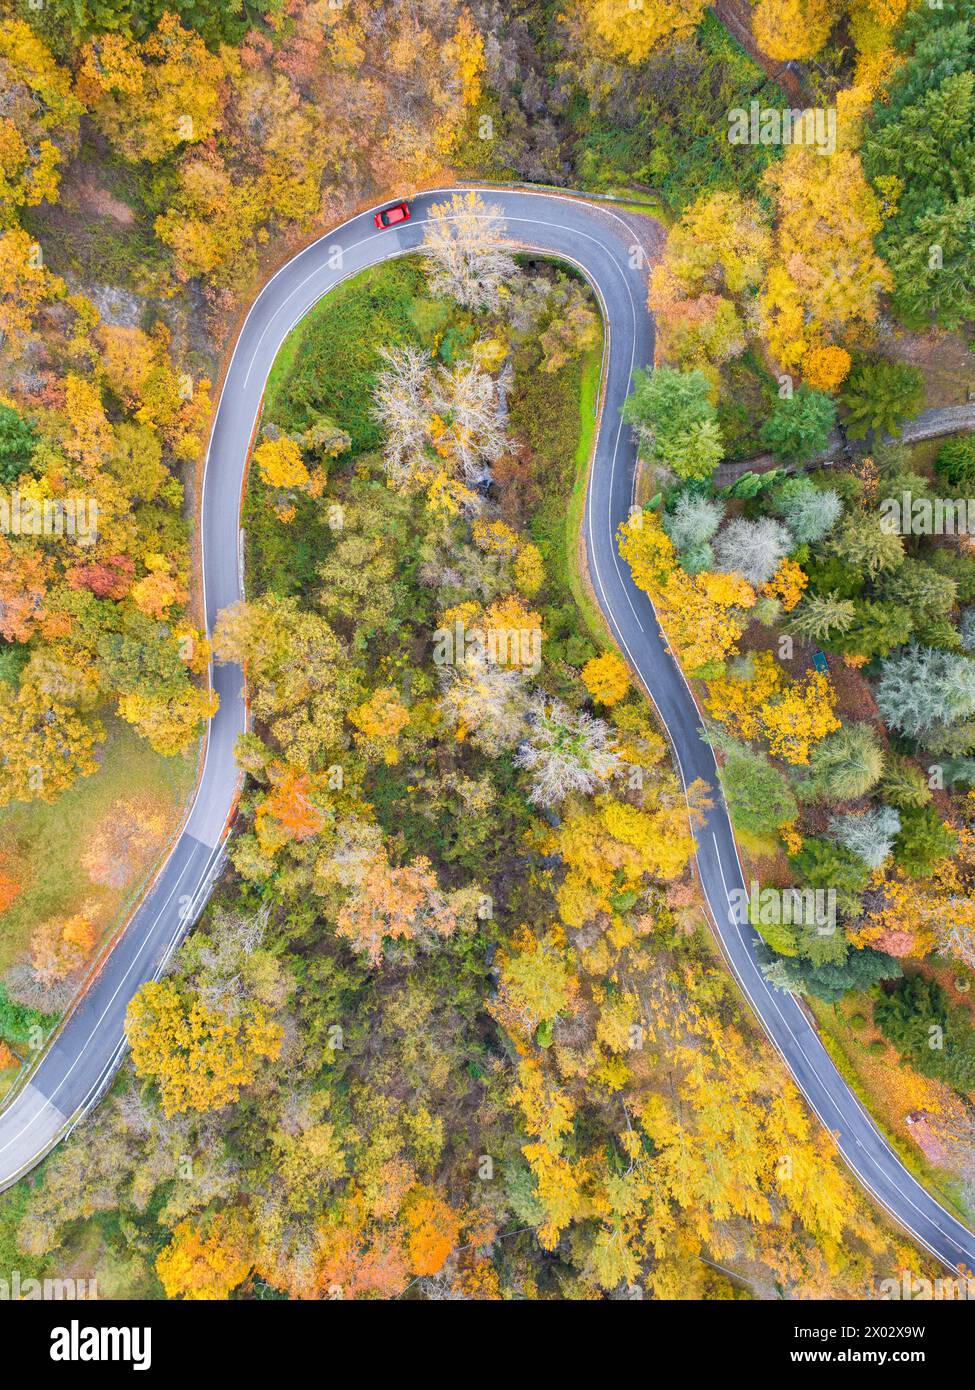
x: 566, y: 751
x: 466, y: 262
x: 468, y: 397
x: 490, y: 701
x: 401, y: 405
x: 431, y: 414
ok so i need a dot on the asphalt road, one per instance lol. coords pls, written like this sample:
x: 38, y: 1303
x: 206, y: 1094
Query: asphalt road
x: 72, y: 1074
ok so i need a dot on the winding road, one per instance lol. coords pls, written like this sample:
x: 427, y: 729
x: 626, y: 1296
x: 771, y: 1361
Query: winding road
x: 74, y: 1071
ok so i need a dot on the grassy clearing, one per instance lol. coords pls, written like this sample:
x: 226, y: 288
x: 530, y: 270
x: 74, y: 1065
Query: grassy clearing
x: 556, y: 417
x: 328, y: 364
x: 591, y: 371
x: 42, y: 843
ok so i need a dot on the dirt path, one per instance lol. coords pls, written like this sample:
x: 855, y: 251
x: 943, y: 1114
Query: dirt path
x: 735, y: 16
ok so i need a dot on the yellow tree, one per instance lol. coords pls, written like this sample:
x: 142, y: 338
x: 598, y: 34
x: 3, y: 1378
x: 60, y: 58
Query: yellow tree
x: 199, y: 1055
x: 170, y: 723
x: 633, y: 32
x: 150, y: 98
x: 701, y: 615
x: 207, y: 1263
x: 47, y: 745
x: 25, y: 286
x: 792, y: 28
x: 797, y: 719
x: 826, y: 367
x: 792, y: 716
x: 212, y: 222
x: 281, y: 463
x: 40, y: 117
x: 825, y: 279
x: 713, y: 261
x: 607, y: 678
x: 379, y: 722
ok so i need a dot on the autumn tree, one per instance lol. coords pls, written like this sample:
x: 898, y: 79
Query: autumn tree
x: 301, y: 683
x: 565, y: 752
x: 633, y: 32
x: 27, y: 285
x: 60, y: 946
x: 787, y: 29
x: 281, y: 463
x: 396, y: 904
x: 152, y: 97
x: 703, y: 615
x: 210, y: 1262
x: 825, y: 279
x: 46, y: 744
x: 10, y: 888
x: 121, y: 842
x: 39, y: 123
x: 434, y: 1231
x: 199, y: 1054
x: 702, y: 291
x: 378, y: 722
x: 607, y: 678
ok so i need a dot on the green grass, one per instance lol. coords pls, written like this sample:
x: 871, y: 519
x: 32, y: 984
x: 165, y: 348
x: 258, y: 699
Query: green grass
x: 42, y: 842
x: 588, y: 405
x: 556, y: 416
x: 644, y: 203
x: 327, y: 366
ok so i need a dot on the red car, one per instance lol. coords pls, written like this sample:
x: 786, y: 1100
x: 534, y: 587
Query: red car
x: 399, y: 212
